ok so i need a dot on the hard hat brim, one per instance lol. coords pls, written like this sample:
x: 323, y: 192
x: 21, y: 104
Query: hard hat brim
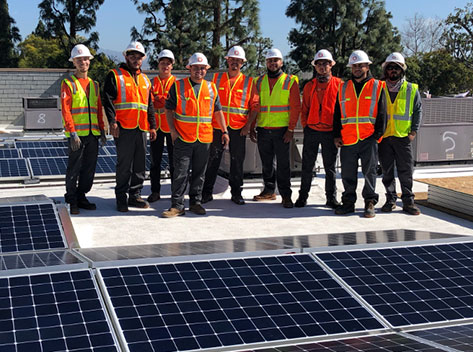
x: 188, y: 66
x: 314, y: 61
x: 236, y: 57
x: 125, y: 53
x: 71, y: 59
x: 362, y: 62
x: 403, y: 66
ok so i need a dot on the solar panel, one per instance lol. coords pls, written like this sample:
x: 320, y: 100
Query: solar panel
x: 220, y: 303
x: 48, y: 166
x: 29, y: 227
x: 43, y: 152
x: 53, y: 312
x: 106, y: 165
x: 111, y: 149
x: 35, y: 260
x: 410, y: 286
x: 459, y: 337
x: 11, y: 168
x: 9, y: 153
x: 41, y: 144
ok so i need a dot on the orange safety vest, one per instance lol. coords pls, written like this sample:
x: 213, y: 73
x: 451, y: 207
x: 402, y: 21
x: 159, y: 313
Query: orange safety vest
x: 358, y: 114
x: 235, y: 99
x: 322, y: 113
x: 161, y: 89
x: 193, y: 115
x: 131, y: 103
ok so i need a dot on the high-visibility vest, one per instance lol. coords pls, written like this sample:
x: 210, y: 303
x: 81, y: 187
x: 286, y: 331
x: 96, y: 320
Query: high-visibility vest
x: 400, y: 112
x: 193, y: 115
x: 161, y: 88
x: 323, y: 113
x: 274, y: 106
x: 235, y: 99
x: 358, y: 113
x: 131, y: 103
x: 84, y: 109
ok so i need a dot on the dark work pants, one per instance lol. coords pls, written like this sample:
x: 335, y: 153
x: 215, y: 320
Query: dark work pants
x: 312, y: 140
x: 237, y: 157
x: 366, y: 151
x: 271, y: 144
x: 188, y: 156
x: 131, y: 163
x: 81, y: 168
x: 156, y: 151
x: 396, y: 152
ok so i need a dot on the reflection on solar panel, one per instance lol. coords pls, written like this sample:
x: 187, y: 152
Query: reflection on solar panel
x: 112, y: 149
x: 411, y: 285
x: 212, y: 304
x: 105, y: 165
x: 37, y: 260
x: 48, y: 166
x: 380, y: 343
x: 41, y: 144
x: 9, y: 153
x: 53, y: 312
x: 13, y: 168
x: 43, y: 152
x: 29, y: 227
x: 458, y: 337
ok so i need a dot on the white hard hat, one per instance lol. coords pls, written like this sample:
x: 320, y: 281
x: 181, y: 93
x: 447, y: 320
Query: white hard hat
x: 198, y: 59
x: 358, y: 57
x: 323, y: 55
x: 80, y: 50
x: 135, y: 46
x: 397, y: 58
x: 236, y: 52
x: 166, y: 54
x: 272, y: 53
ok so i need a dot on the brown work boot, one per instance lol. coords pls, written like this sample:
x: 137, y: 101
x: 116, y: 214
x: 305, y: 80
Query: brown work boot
x: 138, y: 202
x: 369, y: 210
x: 345, y: 208
x: 265, y: 196
x: 197, y: 209
x: 411, y: 209
x: 388, y: 207
x: 153, y: 197
x: 74, y: 209
x: 173, y: 212
x: 287, y: 202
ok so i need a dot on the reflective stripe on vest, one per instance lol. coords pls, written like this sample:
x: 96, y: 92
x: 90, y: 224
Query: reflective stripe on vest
x: 84, y: 108
x: 321, y: 113
x: 131, y: 103
x: 274, y: 105
x: 193, y: 115
x: 161, y: 90
x: 359, y: 112
x: 400, y: 111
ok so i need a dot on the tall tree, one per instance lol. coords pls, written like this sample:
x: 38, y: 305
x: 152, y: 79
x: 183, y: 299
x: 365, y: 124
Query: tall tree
x: 458, y: 35
x: 341, y: 27
x: 421, y: 35
x: 9, y: 35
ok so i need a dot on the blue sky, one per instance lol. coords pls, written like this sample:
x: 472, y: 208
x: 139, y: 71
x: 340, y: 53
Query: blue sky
x: 116, y: 17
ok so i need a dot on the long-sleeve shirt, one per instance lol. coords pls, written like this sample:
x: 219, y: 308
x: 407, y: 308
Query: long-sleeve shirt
x: 381, y: 117
x: 110, y: 92
x: 66, y: 105
x: 416, y: 117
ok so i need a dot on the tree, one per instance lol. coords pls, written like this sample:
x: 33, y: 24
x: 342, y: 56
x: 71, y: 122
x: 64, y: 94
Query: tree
x: 458, y: 35
x: 9, y: 35
x: 421, y: 35
x: 36, y: 51
x: 341, y: 27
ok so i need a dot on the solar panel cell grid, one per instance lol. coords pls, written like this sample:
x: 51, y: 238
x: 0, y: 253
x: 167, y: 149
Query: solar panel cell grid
x: 458, y: 337
x: 13, y: 168
x: 36, y: 260
x: 9, y: 153
x: 41, y: 144
x: 191, y: 306
x: 43, y: 152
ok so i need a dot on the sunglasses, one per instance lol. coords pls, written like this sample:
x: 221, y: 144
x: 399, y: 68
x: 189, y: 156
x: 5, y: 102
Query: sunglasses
x: 393, y: 68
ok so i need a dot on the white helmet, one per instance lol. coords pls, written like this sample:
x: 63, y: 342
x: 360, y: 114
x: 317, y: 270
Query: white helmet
x: 397, y: 58
x: 135, y: 46
x: 236, y: 52
x: 323, y: 55
x: 80, y: 50
x: 198, y: 59
x: 272, y: 53
x: 166, y: 54
x: 358, y: 57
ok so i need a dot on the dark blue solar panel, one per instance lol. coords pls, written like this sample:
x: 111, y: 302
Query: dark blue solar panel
x: 29, y: 227
x: 459, y: 337
x: 106, y: 165
x: 213, y: 304
x: 41, y: 144
x: 9, y: 153
x: 48, y: 166
x: 53, y: 312
x: 37, y: 260
x: 13, y: 168
x: 411, y: 285
x: 43, y: 152
x: 112, y: 149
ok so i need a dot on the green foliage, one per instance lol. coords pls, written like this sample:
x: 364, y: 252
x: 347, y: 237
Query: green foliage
x: 36, y: 51
x: 100, y: 66
x: 458, y: 35
x: 9, y: 35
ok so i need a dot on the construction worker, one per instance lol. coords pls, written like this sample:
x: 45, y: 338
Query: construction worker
x: 318, y: 104
x: 276, y: 118
x: 83, y: 124
x: 359, y: 121
x: 191, y: 107
x: 404, y: 106
x: 236, y: 92
x: 128, y: 105
x: 161, y: 85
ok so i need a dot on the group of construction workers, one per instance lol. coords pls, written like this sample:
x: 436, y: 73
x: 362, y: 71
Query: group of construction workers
x: 365, y: 118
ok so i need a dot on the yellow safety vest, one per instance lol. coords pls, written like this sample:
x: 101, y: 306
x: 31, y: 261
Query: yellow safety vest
x: 400, y: 112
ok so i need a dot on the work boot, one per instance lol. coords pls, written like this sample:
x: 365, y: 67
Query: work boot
x: 85, y: 204
x: 388, y: 207
x: 153, y: 197
x: 411, y: 209
x: 173, y: 212
x: 287, y: 202
x: 207, y: 198
x: 197, y: 209
x: 138, y: 202
x: 300, y: 202
x: 74, y: 209
x: 332, y: 203
x: 345, y: 208
x: 238, y: 200
x: 264, y: 195
x: 369, y: 210
x: 122, y: 207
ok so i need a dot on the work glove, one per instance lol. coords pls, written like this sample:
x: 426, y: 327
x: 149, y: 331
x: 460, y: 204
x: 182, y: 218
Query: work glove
x: 103, y: 139
x: 75, y: 142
